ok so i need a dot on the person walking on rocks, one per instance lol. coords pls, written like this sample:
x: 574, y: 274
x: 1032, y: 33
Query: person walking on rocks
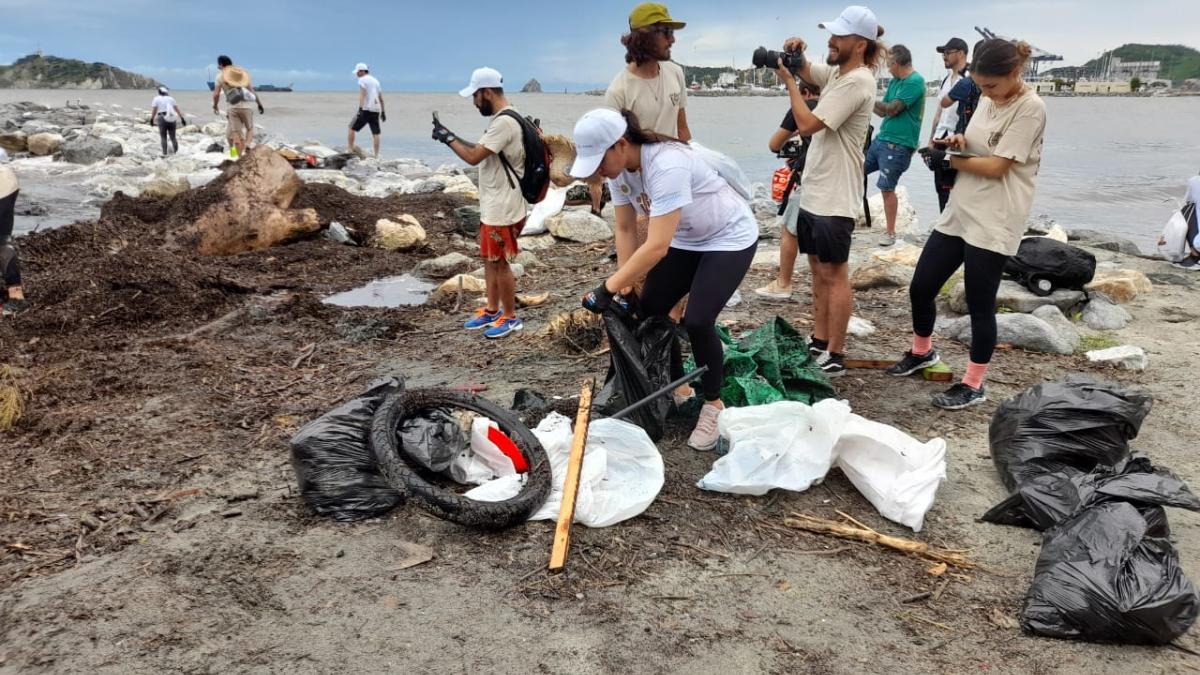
x: 833, y: 173
x: 165, y: 113
x: 502, y: 208
x: 10, y: 267
x: 1191, y: 204
x: 702, y: 238
x: 945, y: 119
x: 899, y: 135
x: 233, y: 83
x: 985, y: 219
x: 370, y: 108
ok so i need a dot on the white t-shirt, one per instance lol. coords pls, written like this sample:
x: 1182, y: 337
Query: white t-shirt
x: 163, y: 104
x: 8, y: 181
x: 673, y: 177
x: 371, y: 85
x: 948, y: 122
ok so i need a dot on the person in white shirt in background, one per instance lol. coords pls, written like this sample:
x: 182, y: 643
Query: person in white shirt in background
x: 1189, y: 211
x: 370, y: 108
x: 945, y: 118
x: 166, y: 115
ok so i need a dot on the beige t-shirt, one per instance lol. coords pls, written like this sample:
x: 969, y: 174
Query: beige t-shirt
x: 990, y: 213
x: 832, y: 183
x: 656, y: 102
x: 219, y: 83
x: 8, y: 182
x: 499, y: 202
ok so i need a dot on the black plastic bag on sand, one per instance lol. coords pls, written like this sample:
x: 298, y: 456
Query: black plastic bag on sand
x: 334, y: 464
x: 1058, y: 427
x: 641, y: 364
x: 1044, y: 501
x: 432, y: 440
x: 1110, y: 574
x: 1044, y: 265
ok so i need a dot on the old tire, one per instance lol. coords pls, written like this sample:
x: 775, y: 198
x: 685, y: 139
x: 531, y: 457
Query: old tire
x: 402, y: 475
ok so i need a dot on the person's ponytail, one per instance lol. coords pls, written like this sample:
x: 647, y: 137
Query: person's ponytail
x: 634, y: 133
x: 876, y: 55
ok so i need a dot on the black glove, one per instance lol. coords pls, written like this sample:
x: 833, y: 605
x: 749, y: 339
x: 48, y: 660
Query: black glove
x: 151, y: 122
x: 598, y: 299
x: 442, y: 134
x: 182, y: 121
x: 260, y: 110
x: 383, y: 116
x: 934, y: 158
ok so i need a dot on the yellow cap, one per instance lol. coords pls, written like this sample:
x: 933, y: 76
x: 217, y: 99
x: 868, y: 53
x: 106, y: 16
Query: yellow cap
x: 651, y: 14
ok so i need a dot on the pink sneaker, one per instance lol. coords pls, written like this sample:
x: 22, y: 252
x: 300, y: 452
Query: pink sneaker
x: 704, y: 436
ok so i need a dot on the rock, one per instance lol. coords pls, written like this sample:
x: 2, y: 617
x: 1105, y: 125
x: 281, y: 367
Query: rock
x: 1040, y: 226
x: 532, y: 87
x: 906, y: 216
x: 429, y: 185
x: 900, y: 254
x: 215, y: 147
x: 14, y: 141
x: 337, y: 232
x: 467, y: 218
x: 444, y: 266
x: 765, y: 207
x: 1053, y: 316
x: 1057, y: 233
x: 317, y: 150
x: 90, y: 149
x: 877, y: 273
x: 1125, y: 356
x: 527, y: 259
x: 766, y: 257
x: 470, y: 284
x: 1017, y: 298
x: 162, y: 187
x: 460, y: 185
x: 1121, y: 285
x: 580, y: 226
x: 44, y: 144
x: 1019, y: 330
x: 537, y: 243
x: 1105, y: 241
x: 860, y: 327
x: 253, y: 212
x: 403, y: 234
x: 518, y: 271
x: 327, y: 176
x: 1101, y: 313
x: 1170, y: 279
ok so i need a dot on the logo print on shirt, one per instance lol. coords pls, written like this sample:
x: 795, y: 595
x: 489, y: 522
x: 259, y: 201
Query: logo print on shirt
x: 994, y: 139
x: 675, y: 100
x: 644, y: 201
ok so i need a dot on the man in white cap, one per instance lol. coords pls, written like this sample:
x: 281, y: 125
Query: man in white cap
x: 500, y: 155
x: 10, y: 269
x: 370, y: 108
x: 833, y: 172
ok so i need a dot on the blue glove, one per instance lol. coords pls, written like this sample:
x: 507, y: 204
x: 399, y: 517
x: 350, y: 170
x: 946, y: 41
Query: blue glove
x: 598, y: 299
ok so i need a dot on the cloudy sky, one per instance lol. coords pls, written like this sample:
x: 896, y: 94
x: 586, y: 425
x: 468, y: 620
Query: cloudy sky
x: 433, y: 46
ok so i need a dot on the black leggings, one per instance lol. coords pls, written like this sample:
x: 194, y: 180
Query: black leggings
x: 982, y: 270
x: 1193, y: 224
x: 709, y: 279
x: 165, y: 129
x: 10, y: 270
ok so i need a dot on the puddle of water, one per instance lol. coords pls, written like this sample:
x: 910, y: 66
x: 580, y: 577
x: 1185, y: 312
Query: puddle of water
x: 404, y: 290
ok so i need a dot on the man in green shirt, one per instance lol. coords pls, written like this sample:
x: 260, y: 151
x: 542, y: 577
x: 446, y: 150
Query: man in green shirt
x: 891, y: 152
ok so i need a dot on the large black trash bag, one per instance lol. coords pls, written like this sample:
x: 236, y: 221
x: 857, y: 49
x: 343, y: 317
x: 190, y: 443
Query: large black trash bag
x: 1044, y: 265
x: 641, y: 364
x: 433, y: 440
x: 1110, y: 574
x: 334, y: 464
x: 1074, y: 424
x: 1044, y: 501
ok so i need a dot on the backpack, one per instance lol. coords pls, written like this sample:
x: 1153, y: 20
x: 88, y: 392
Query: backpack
x: 1044, y: 265
x: 535, y: 182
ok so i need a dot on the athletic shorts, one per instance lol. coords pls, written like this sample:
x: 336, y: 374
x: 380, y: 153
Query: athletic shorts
x: 827, y: 237
x: 499, y: 242
x: 890, y: 160
x: 241, y: 122
x: 365, y: 118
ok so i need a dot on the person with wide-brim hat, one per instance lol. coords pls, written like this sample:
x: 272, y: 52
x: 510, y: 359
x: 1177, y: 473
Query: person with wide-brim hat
x: 235, y: 85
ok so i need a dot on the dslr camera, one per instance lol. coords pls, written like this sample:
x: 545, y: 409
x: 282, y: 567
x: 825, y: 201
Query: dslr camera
x: 767, y: 58
x: 790, y: 149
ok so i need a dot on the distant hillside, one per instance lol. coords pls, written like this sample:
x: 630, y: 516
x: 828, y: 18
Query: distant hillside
x: 50, y: 72
x: 1178, y: 62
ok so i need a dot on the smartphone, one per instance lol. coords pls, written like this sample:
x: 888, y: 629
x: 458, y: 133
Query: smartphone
x: 435, y: 118
x: 960, y: 153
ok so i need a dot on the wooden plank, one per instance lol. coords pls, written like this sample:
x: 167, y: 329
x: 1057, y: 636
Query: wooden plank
x: 562, y: 533
x: 870, y: 364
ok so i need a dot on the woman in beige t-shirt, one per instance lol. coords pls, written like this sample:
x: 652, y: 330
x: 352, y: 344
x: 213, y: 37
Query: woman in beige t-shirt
x: 997, y: 160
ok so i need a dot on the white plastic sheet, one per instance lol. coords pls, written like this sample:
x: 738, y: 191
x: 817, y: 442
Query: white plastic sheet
x: 622, y: 472
x: 552, y: 205
x: 1173, y: 243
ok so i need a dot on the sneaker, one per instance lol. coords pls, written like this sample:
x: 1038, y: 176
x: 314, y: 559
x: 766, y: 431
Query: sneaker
x: 816, y: 347
x: 774, y: 291
x: 886, y: 239
x: 959, y: 396
x: 13, y: 307
x: 911, y: 363
x: 833, y: 365
x: 680, y: 400
x: 482, y: 319
x: 705, y: 436
x: 1189, y: 263
x: 503, y: 327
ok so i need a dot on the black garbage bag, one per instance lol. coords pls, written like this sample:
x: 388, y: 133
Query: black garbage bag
x: 1057, y: 426
x: 334, y: 464
x: 1110, y: 574
x: 1044, y: 501
x: 640, y: 365
x: 432, y: 440
x: 1044, y: 265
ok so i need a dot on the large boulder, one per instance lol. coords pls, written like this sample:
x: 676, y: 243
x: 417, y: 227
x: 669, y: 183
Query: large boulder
x: 445, y: 266
x: 14, y: 141
x: 877, y: 273
x: 580, y: 226
x: 907, y: 221
x: 1120, y: 285
x: 402, y: 234
x: 1019, y: 330
x: 254, y: 211
x: 1015, y: 297
x: 163, y: 187
x: 1101, y: 313
x: 90, y: 149
x: 1057, y: 320
x: 44, y: 144
x: 1103, y: 240
x: 900, y: 254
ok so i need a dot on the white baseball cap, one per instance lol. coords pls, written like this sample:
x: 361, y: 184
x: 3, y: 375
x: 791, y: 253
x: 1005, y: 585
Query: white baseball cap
x: 855, y: 20
x: 595, y: 133
x: 360, y: 66
x: 482, y: 78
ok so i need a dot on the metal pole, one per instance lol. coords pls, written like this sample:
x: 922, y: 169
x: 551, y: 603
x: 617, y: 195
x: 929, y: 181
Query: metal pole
x: 681, y: 381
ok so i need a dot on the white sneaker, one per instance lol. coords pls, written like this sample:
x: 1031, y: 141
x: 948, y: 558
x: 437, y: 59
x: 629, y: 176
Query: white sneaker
x: 705, y: 436
x: 886, y: 239
x: 774, y: 291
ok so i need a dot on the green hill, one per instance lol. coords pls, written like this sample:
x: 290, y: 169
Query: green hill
x: 1178, y: 62
x: 50, y: 72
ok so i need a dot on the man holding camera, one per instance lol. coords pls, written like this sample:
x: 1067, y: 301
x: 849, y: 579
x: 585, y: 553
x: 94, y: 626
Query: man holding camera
x: 833, y: 171
x: 945, y: 119
x: 899, y: 135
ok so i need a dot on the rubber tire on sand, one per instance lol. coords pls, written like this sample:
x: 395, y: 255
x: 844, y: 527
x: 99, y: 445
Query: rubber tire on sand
x: 444, y: 503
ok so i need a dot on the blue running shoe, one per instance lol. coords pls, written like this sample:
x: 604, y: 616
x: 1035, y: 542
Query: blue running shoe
x: 503, y: 326
x: 482, y: 319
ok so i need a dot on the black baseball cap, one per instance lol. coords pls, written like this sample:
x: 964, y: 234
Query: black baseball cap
x: 953, y: 44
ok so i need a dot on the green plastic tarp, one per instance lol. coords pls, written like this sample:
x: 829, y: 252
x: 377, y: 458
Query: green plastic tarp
x: 771, y: 363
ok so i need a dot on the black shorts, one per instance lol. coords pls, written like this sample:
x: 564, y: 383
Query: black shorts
x: 827, y: 237
x: 365, y: 118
